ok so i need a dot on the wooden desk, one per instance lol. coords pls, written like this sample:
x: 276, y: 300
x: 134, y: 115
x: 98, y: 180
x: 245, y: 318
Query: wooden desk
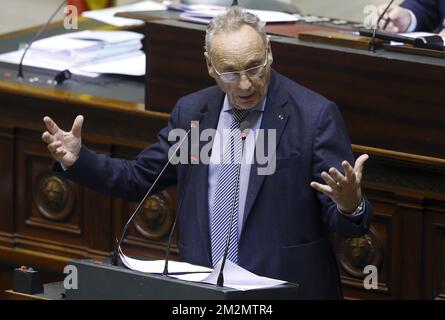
x: 51, y: 291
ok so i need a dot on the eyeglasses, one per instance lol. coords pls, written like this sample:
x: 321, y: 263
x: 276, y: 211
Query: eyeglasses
x: 234, y: 76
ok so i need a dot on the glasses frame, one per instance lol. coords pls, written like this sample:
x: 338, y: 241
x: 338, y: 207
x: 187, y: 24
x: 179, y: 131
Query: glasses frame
x: 221, y: 75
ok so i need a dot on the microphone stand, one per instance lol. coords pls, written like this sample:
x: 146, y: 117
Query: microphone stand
x: 20, y: 71
x: 114, y: 259
x: 220, y: 281
x: 372, y: 43
x: 186, y: 182
x: 170, y: 237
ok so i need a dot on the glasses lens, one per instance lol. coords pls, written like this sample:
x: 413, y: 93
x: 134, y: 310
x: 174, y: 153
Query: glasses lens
x: 255, y: 72
x: 229, y: 76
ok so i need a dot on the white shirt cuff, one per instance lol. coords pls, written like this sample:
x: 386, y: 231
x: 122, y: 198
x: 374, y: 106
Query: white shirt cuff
x: 413, y: 23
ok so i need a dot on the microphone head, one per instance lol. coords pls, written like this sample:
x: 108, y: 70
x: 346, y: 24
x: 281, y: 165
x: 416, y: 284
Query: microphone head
x: 244, y: 128
x: 194, y: 153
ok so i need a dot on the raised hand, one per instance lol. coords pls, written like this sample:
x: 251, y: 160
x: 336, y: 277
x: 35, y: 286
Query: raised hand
x: 344, y: 190
x: 63, y: 146
x: 396, y: 19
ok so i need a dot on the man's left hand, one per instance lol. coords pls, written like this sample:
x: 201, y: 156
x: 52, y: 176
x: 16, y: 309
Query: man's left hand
x: 442, y: 33
x: 344, y: 190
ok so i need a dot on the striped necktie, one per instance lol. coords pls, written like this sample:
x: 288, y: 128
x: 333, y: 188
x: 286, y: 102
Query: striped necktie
x: 227, y: 195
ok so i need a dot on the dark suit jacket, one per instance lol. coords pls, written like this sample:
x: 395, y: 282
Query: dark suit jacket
x: 429, y: 13
x: 286, y: 225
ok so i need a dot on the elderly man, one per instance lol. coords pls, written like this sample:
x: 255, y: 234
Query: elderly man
x: 283, y: 217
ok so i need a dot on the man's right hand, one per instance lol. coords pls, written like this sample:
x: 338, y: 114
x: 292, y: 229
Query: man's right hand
x: 399, y: 18
x: 63, y: 146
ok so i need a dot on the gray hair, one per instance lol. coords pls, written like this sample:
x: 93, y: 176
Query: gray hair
x: 233, y: 19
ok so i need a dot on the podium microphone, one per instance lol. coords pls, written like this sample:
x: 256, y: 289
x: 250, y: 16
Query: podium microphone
x: 193, y: 157
x: 372, y: 43
x: 244, y: 131
x: 115, y: 258
x: 20, y: 71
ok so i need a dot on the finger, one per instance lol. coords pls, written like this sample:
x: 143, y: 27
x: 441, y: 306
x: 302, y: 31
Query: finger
x: 392, y: 28
x: 52, y: 147
x: 76, y: 130
x: 359, y: 164
x: 322, y: 188
x: 47, y: 137
x: 60, y: 152
x: 337, y: 176
x: 330, y: 182
x: 395, y: 14
x: 382, y: 24
x: 51, y: 125
x: 349, y: 171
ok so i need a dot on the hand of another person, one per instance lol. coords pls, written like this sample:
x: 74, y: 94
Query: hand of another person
x: 399, y: 19
x: 63, y: 146
x: 344, y: 190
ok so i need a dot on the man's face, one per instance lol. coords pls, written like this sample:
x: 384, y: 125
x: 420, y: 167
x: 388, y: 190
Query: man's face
x: 236, y: 51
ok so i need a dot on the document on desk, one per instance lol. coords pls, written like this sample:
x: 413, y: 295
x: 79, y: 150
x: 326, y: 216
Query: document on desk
x: 157, y: 266
x: 413, y: 35
x: 201, y: 13
x: 235, y: 277
x: 130, y: 65
x: 87, y: 53
x: 107, y: 15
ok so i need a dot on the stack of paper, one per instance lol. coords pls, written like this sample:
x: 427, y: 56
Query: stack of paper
x: 86, y: 52
x: 204, y: 13
x: 86, y: 47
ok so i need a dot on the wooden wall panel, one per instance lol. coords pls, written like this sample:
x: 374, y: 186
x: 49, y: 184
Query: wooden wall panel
x: 434, y: 255
x: 6, y: 185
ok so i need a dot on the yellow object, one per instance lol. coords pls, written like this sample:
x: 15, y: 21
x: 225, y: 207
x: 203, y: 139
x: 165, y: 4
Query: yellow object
x: 99, y: 4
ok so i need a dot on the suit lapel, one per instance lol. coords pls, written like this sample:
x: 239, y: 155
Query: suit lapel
x: 275, y: 116
x: 201, y: 173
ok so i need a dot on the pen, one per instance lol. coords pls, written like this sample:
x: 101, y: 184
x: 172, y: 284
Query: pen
x: 386, y: 23
x: 383, y: 13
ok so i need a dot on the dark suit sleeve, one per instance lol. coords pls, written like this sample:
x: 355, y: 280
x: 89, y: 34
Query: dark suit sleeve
x: 331, y: 147
x: 427, y: 13
x: 129, y: 179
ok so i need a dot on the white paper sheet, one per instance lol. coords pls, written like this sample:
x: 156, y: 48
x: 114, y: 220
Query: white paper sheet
x: 413, y: 35
x: 132, y: 65
x: 15, y: 56
x: 234, y: 277
x: 157, y: 266
x: 107, y: 15
x: 87, y: 53
x: 204, y: 13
